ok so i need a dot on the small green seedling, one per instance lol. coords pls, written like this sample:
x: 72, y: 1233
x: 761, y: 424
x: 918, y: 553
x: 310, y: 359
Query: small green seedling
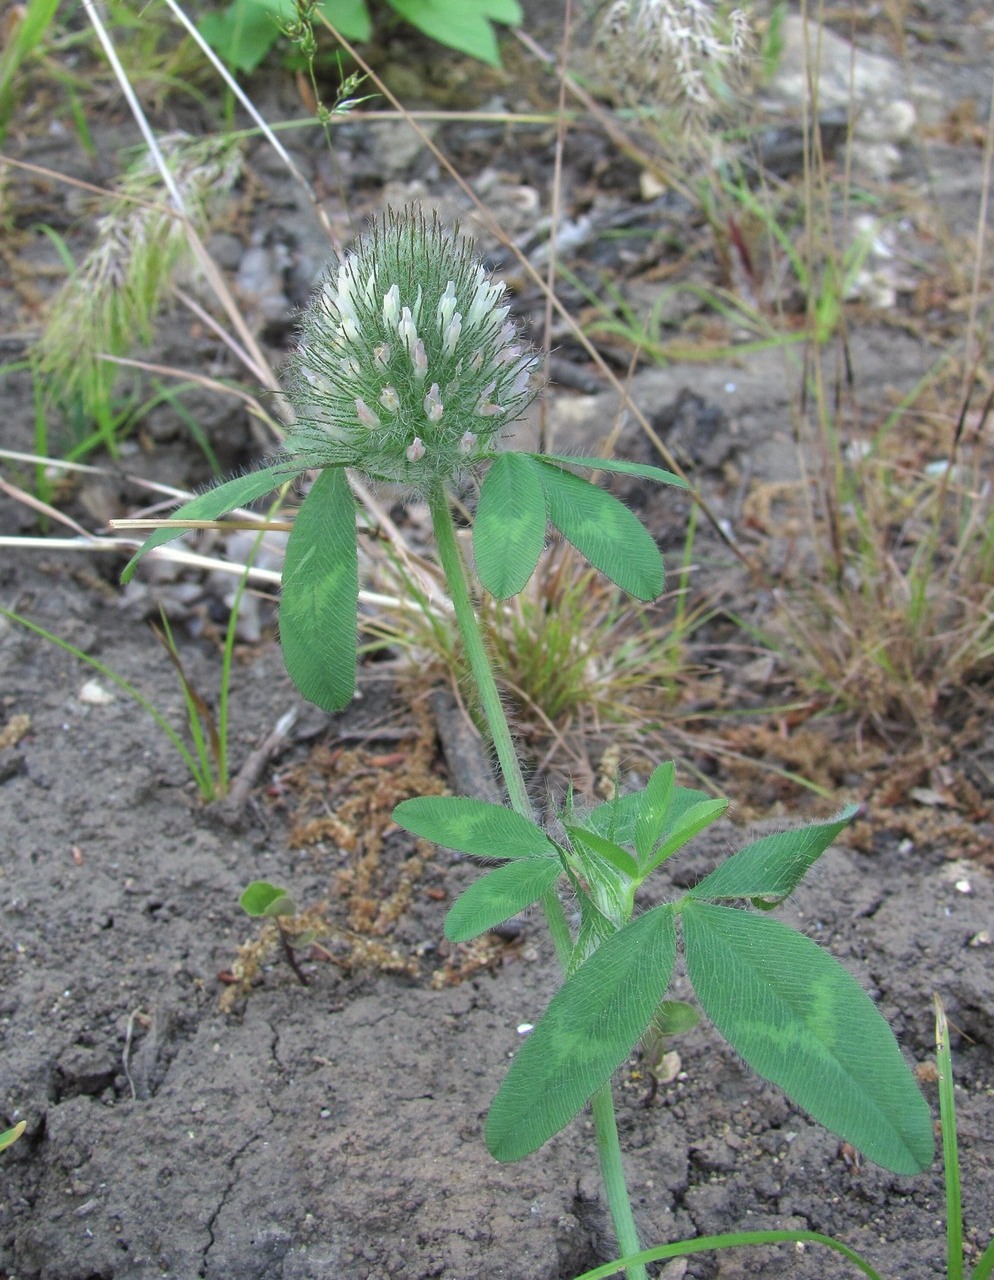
x: 408, y: 370
x: 261, y: 898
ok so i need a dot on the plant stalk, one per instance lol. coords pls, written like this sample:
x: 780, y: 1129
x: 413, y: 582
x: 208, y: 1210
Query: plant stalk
x: 493, y: 708
x: 605, y: 1126
x: 613, y: 1173
x: 476, y: 653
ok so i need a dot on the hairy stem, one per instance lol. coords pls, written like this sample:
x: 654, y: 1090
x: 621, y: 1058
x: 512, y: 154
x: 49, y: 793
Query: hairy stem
x: 493, y: 709
x: 613, y: 1173
x: 476, y: 653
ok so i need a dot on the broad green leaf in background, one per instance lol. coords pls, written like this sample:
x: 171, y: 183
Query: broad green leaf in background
x: 350, y: 17
x: 509, y: 527
x: 215, y: 503
x: 245, y: 31
x: 774, y: 866
x: 320, y: 594
x: 604, y: 530
x: 589, y: 1028
x: 499, y: 895
x: 800, y: 1020
x: 614, y: 464
x: 462, y: 24
x: 474, y: 827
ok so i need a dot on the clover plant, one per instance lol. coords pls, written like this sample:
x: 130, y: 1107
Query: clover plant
x: 409, y: 370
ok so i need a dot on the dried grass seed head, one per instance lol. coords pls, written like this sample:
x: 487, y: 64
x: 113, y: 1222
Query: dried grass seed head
x: 677, y: 53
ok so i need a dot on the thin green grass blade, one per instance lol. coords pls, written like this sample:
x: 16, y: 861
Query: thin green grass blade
x: 203, y: 782
x: 589, y: 1028
x: 10, y: 1136
x: 474, y: 827
x: 614, y: 464
x: 773, y: 867
x: 499, y: 895
x: 318, y: 630
x: 509, y: 528
x: 604, y: 530
x: 985, y: 1267
x: 227, y: 660
x: 733, y: 1240
x: 199, y: 715
x: 215, y: 503
x: 950, y: 1147
x: 800, y: 1020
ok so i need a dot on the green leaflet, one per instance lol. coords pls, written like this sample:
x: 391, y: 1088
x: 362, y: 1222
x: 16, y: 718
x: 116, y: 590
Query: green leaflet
x: 653, y: 810
x: 589, y: 1028
x: 499, y: 895
x: 320, y: 592
x: 800, y: 1020
x: 774, y: 866
x: 618, y: 818
x: 602, y: 529
x: 509, y: 528
x: 694, y: 820
x: 614, y: 464
x: 590, y: 842
x: 473, y: 826
x: 215, y: 503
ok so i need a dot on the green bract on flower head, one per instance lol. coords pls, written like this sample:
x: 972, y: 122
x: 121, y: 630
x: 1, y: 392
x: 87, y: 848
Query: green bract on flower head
x: 408, y: 365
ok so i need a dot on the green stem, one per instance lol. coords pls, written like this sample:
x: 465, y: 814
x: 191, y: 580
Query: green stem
x: 613, y: 1173
x: 476, y: 653
x: 493, y: 708
x: 608, y: 1147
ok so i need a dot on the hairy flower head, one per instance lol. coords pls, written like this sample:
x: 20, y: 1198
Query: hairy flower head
x: 408, y: 366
